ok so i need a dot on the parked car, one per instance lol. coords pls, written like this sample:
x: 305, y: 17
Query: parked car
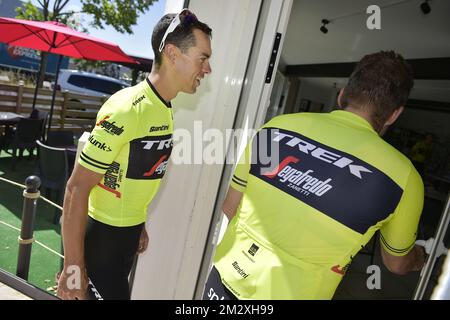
x: 89, y: 83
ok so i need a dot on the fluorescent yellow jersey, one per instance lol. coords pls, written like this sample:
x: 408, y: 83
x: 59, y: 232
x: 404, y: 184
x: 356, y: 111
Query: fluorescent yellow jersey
x: 316, y: 187
x: 130, y: 144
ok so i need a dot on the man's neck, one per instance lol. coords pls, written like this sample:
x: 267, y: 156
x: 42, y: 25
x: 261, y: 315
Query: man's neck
x: 163, y: 84
x: 364, y: 114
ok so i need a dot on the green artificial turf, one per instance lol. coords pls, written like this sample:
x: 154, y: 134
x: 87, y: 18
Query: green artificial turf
x: 44, y: 264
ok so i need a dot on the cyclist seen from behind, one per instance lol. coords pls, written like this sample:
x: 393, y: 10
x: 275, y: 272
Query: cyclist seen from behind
x: 311, y: 190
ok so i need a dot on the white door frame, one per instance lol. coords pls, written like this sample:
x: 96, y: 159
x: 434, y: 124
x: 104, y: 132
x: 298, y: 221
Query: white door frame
x: 180, y: 215
x: 254, y: 101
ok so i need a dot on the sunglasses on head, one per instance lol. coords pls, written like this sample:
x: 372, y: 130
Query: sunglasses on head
x: 185, y: 16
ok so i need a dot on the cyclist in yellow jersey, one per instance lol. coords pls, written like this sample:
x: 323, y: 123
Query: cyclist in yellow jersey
x: 312, y: 189
x: 120, y: 168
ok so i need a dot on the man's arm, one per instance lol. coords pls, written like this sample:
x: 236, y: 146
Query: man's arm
x: 231, y: 203
x: 74, y: 220
x: 401, y: 265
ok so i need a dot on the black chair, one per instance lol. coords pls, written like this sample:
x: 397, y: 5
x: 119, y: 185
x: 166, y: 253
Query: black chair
x: 25, y: 136
x: 60, y: 139
x: 53, y: 170
x: 63, y: 139
x: 39, y: 114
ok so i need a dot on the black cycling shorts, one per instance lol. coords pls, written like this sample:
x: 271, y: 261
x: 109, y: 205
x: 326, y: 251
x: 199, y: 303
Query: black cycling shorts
x: 109, y: 255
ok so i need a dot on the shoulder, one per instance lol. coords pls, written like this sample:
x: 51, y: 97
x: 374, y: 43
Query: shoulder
x: 126, y: 98
x: 123, y: 101
x: 394, y: 163
x: 292, y: 119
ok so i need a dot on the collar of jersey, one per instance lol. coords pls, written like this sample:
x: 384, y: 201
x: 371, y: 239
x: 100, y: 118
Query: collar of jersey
x: 353, y: 118
x: 153, y: 90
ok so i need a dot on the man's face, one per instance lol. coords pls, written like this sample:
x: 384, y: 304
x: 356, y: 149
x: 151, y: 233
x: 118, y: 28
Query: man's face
x: 193, y: 64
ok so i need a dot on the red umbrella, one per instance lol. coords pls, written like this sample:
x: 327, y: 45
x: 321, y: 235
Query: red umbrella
x: 55, y: 37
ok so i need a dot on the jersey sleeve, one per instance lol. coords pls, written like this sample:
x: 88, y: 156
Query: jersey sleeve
x: 240, y: 176
x: 398, y: 235
x: 113, y: 130
x: 242, y: 170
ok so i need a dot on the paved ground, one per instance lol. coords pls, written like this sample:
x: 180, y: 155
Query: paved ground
x: 7, y: 293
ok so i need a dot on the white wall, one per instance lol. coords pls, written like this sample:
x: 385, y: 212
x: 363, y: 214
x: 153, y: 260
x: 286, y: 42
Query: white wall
x: 317, y: 91
x: 179, y: 217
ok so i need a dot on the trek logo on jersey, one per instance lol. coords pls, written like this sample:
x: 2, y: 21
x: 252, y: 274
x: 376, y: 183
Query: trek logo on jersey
x: 138, y: 100
x: 149, y: 157
x: 337, y: 184
x: 110, y: 127
x: 159, y: 128
x: 301, y: 181
x: 100, y: 145
x: 111, y: 179
x: 157, y: 144
x: 320, y: 153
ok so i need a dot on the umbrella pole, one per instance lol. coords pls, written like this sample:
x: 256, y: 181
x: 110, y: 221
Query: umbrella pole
x: 53, y: 96
x: 36, y: 89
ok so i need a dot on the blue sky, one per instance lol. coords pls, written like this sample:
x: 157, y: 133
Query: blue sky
x: 138, y: 43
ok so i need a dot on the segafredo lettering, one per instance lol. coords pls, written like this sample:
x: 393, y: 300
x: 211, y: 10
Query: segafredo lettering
x: 110, y: 127
x: 320, y: 153
x: 304, y: 182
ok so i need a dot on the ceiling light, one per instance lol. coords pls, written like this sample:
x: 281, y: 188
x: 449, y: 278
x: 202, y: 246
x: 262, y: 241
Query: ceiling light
x: 425, y: 7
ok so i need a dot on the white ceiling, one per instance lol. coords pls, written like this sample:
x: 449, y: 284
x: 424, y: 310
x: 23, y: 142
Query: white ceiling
x: 404, y: 28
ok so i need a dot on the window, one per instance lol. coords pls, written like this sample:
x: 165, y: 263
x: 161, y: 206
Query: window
x: 100, y: 85
x: 78, y: 81
x: 103, y: 86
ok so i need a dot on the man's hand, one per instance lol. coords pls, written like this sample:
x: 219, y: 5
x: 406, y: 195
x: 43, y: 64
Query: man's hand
x: 231, y: 203
x: 143, y: 241
x: 413, y: 261
x: 73, y: 283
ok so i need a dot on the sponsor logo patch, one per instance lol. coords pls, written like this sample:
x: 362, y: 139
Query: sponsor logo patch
x: 100, y: 145
x: 301, y: 181
x: 110, y: 127
x: 159, y: 128
x: 138, y: 100
x: 239, y: 270
x: 159, y: 168
x: 111, y: 179
x: 340, y: 270
x: 321, y: 153
x: 149, y: 157
x: 253, y: 249
x: 338, y: 184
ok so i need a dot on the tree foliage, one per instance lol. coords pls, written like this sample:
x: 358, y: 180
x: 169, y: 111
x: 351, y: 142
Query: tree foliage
x: 120, y: 14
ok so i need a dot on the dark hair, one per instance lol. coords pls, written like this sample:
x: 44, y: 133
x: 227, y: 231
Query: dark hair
x: 182, y: 37
x: 380, y: 83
